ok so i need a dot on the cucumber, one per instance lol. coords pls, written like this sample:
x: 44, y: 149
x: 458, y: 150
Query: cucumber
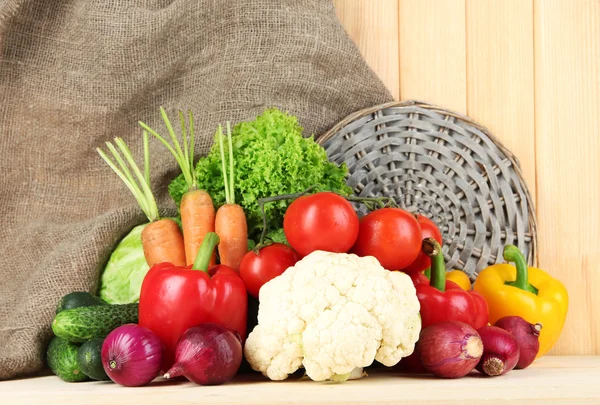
x: 89, y: 358
x: 62, y: 360
x: 78, y: 299
x: 84, y: 323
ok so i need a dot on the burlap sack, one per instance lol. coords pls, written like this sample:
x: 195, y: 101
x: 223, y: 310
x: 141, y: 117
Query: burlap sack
x: 75, y: 74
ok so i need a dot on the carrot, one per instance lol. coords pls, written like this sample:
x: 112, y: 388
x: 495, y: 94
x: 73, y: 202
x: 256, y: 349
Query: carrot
x: 198, y: 219
x: 162, y: 242
x: 196, y: 207
x: 230, y: 221
x: 161, y: 238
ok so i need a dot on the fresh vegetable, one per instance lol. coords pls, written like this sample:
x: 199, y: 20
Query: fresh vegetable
x: 122, y: 277
x: 500, y: 351
x: 78, y: 299
x: 80, y: 324
x: 322, y: 221
x: 526, y: 335
x: 161, y: 238
x: 527, y: 292
x: 333, y: 313
x: 391, y: 235
x: 230, y: 221
x: 163, y: 243
x: 173, y: 299
x: 443, y: 300
x: 196, y: 207
x: 89, y: 358
x: 449, y: 349
x: 428, y: 230
x: 132, y: 355
x: 460, y: 278
x: 62, y: 360
x: 207, y: 354
x: 268, y: 262
x: 272, y: 157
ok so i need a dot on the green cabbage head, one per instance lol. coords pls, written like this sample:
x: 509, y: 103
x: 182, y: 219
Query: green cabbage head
x: 124, y: 272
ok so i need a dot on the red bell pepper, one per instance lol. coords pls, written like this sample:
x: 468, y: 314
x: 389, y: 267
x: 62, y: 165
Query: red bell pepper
x: 173, y: 299
x: 443, y: 300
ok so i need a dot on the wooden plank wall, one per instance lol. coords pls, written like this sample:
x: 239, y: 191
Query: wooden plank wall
x: 529, y: 70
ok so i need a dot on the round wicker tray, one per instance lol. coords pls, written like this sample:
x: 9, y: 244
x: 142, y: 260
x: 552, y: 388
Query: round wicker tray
x: 445, y: 166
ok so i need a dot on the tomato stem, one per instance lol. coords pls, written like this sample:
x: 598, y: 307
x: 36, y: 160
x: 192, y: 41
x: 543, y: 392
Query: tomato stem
x: 432, y: 248
x: 369, y: 202
x: 263, y: 201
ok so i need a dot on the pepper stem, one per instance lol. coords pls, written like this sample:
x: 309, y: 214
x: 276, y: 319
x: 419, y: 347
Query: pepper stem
x: 211, y: 240
x: 514, y: 254
x: 432, y: 248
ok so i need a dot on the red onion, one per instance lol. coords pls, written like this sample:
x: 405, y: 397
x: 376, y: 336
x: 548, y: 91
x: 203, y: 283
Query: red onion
x: 500, y: 351
x: 449, y: 349
x: 527, y: 336
x: 207, y: 354
x: 132, y: 355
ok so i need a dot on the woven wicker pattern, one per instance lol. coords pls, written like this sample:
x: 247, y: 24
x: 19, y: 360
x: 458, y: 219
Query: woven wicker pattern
x: 445, y: 166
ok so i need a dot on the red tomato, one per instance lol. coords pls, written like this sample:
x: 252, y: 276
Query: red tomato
x: 271, y: 261
x: 428, y: 230
x: 321, y: 221
x: 391, y: 235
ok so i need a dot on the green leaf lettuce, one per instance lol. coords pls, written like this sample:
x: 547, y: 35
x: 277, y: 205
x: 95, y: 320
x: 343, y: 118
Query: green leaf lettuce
x: 271, y: 158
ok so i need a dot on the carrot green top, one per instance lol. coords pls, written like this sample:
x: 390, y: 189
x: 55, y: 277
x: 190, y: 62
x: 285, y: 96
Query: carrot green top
x: 229, y: 188
x: 185, y: 156
x: 140, y: 189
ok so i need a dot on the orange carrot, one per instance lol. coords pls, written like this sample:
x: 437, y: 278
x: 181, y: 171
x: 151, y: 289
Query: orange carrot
x: 162, y: 242
x: 197, y: 219
x: 230, y: 221
x: 161, y: 238
x: 196, y: 207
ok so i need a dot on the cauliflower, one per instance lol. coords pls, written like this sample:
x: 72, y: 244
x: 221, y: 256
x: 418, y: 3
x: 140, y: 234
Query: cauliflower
x: 332, y: 313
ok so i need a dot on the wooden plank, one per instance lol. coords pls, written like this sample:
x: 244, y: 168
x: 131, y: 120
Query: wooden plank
x: 549, y: 380
x: 500, y: 83
x: 567, y: 119
x: 433, y: 52
x: 374, y: 29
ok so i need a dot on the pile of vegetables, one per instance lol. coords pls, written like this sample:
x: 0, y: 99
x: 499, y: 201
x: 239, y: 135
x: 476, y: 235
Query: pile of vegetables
x: 81, y: 323
x: 265, y: 216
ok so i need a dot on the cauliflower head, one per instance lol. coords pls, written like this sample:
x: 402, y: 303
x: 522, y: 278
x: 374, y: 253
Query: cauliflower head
x: 332, y: 313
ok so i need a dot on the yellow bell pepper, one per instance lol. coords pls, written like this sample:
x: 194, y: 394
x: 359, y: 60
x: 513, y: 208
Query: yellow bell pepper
x: 527, y: 292
x: 460, y: 278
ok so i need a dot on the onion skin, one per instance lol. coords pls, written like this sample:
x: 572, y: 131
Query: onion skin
x: 207, y: 354
x: 527, y: 336
x: 449, y: 349
x: 500, y: 351
x: 132, y: 355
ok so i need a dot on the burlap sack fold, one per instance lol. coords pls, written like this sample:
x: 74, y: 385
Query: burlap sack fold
x: 78, y: 73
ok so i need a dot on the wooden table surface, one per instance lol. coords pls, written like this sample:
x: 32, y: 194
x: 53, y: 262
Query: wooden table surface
x: 528, y: 70
x: 551, y: 380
